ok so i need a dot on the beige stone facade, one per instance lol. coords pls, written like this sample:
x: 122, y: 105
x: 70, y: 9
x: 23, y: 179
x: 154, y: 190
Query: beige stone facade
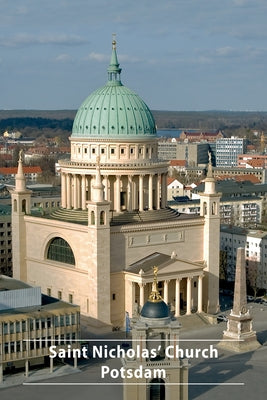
x: 114, y: 224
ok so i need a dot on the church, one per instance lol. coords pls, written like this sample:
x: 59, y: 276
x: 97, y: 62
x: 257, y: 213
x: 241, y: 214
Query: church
x: 98, y: 248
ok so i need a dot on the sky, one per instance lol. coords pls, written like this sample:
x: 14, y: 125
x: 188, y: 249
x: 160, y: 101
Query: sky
x: 178, y: 55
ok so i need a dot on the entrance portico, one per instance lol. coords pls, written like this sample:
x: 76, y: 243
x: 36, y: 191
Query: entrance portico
x: 179, y: 284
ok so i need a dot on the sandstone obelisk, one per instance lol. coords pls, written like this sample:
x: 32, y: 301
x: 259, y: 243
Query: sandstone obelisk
x: 239, y: 336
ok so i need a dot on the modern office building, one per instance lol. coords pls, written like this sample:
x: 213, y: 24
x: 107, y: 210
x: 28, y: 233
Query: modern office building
x: 30, y: 323
x: 228, y: 149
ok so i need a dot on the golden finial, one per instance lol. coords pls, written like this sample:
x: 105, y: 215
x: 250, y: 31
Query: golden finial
x: 114, y: 41
x: 154, y: 295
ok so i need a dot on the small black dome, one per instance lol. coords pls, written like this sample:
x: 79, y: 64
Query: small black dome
x: 158, y: 309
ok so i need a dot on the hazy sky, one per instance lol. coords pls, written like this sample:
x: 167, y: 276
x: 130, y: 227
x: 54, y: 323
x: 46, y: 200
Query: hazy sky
x: 176, y: 54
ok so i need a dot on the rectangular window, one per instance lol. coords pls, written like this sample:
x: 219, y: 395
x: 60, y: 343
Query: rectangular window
x: 48, y: 291
x: 112, y: 151
x: 70, y: 298
x: 59, y: 295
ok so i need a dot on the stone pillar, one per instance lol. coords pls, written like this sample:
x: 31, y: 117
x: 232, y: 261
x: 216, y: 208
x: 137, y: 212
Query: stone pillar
x: 118, y: 194
x: 141, y: 192
x: 68, y: 191
x: 1, y: 373
x: 188, y: 296
x: 166, y: 291
x: 83, y: 192
x: 164, y: 191
x: 106, y: 188
x: 150, y: 192
x: 63, y: 190
x: 75, y: 192
x: 79, y: 204
x: 200, y: 294
x: 142, y: 294
x: 158, y: 191
x: 177, y: 297
x: 130, y: 194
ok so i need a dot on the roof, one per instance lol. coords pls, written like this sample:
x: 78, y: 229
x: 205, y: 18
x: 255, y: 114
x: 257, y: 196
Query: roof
x: 114, y: 111
x: 239, y: 178
x: 178, y: 163
x: 26, y: 170
x: 231, y: 186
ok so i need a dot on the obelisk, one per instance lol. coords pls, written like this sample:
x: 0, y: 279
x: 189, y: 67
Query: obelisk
x: 239, y: 336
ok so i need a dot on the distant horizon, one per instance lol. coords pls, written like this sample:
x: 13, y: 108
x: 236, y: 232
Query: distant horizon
x: 156, y: 110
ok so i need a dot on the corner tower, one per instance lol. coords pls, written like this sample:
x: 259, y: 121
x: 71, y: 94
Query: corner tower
x: 210, y: 210
x: 99, y: 240
x: 21, y: 205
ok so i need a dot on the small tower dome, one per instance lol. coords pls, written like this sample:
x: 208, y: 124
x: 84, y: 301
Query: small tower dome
x: 155, y: 307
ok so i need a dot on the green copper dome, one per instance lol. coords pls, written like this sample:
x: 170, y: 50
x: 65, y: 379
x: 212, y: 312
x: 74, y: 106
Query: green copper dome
x: 114, y: 111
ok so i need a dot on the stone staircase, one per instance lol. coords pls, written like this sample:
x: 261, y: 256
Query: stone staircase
x: 75, y: 216
x: 128, y: 217
x: 122, y: 218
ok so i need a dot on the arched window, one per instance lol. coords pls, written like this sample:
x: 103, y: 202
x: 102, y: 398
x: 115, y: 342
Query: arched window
x: 102, y: 218
x: 15, y: 205
x: 157, y: 389
x: 92, y: 218
x: 214, y: 208
x: 23, y: 205
x: 60, y: 250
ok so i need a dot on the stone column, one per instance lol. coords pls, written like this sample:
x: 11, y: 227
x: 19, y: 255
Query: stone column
x: 200, y: 294
x: 68, y: 191
x: 158, y: 191
x: 130, y: 194
x: 118, y: 194
x: 164, y: 191
x: 106, y: 188
x: 142, y: 294
x: 79, y: 187
x: 150, y: 192
x: 188, y: 296
x: 75, y: 192
x: 166, y: 291
x: 177, y: 297
x: 83, y: 192
x: 141, y: 192
x: 1, y: 373
x: 63, y: 190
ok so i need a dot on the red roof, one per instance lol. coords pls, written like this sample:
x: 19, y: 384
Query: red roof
x: 239, y: 178
x: 26, y: 170
x: 178, y: 163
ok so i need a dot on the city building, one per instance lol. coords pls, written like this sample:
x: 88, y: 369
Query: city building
x: 31, y: 173
x: 5, y: 240
x: 194, y: 154
x: 252, y: 160
x: 255, y: 244
x: 30, y: 323
x: 197, y: 136
x: 113, y: 221
x: 228, y: 149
